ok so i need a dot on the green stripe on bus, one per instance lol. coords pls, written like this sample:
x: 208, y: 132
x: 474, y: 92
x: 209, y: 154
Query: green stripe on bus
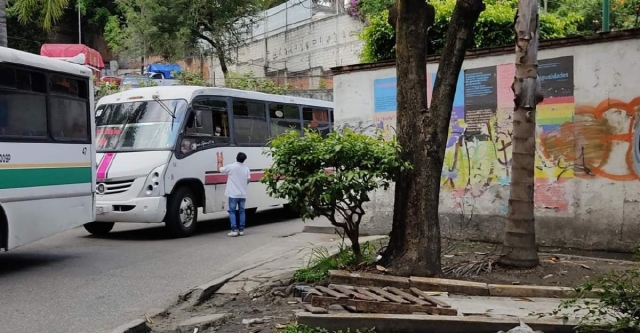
x: 33, y: 177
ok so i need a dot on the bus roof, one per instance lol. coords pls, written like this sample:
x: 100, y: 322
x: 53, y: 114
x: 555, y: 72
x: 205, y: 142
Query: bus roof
x: 190, y: 92
x: 17, y: 57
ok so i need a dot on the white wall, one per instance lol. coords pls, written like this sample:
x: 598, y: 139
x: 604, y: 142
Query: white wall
x: 314, y: 47
x: 588, y: 165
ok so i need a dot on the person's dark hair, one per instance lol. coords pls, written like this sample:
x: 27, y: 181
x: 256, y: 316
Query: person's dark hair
x: 241, y: 157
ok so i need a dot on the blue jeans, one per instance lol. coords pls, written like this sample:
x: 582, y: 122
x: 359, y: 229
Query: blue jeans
x: 237, y: 203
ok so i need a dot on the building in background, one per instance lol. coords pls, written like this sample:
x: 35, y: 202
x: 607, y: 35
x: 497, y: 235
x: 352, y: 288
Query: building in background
x: 296, y: 44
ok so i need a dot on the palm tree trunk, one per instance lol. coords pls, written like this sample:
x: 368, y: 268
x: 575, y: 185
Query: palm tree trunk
x: 3, y: 23
x: 520, y: 248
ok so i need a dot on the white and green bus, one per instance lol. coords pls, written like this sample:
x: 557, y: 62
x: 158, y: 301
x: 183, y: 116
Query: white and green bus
x: 47, y: 156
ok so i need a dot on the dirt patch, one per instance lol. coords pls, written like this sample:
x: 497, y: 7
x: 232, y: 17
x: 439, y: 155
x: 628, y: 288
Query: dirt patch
x: 475, y: 261
x: 267, y: 314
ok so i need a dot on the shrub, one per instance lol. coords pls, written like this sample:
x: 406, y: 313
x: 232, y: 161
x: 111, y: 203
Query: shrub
x: 617, y: 308
x: 332, y: 176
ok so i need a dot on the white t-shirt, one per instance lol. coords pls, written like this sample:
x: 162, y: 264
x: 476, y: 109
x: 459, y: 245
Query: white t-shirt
x: 237, y: 181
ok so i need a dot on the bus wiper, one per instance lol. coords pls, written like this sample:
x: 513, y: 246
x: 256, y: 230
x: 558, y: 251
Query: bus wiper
x: 171, y: 113
x: 124, y: 126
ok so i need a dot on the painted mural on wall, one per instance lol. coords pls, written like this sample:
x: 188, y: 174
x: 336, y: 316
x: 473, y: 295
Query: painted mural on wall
x: 385, y: 105
x: 479, y: 151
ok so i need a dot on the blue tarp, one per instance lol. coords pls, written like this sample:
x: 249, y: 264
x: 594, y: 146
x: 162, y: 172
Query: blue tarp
x: 165, y: 69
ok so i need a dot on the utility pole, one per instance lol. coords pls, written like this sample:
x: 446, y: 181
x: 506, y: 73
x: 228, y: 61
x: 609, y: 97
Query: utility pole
x: 605, y: 15
x: 79, y: 25
x: 546, y: 2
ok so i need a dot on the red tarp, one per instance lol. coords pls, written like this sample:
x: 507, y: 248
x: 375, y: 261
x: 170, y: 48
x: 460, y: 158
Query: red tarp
x: 92, y: 57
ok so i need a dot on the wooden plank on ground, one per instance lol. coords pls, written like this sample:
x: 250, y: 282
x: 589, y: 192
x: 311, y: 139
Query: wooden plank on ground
x: 429, y: 299
x: 380, y: 307
x: 366, y: 291
x: 407, y: 296
x: 349, y: 292
x: 331, y: 292
x: 388, y: 296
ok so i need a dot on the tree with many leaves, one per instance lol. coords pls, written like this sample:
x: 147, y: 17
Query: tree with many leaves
x: 46, y: 13
x: 414, y: 246
x: 167, y: 28
x: 520, y: 235
x: 332, y: 176
x: 494, y: 27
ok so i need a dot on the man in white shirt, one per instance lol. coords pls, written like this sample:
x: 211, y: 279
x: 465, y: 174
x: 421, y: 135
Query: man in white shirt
x: 238, y: 179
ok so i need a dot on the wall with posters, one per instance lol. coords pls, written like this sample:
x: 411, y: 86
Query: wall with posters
x: 587, y: 190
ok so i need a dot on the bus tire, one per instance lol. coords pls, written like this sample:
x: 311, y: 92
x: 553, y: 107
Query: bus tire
x: 182, y: 212
x: 290, y: 211
x: 99, y: 228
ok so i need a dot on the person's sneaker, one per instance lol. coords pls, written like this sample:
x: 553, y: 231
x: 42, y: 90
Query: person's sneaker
x: 241, y: 233
x: 233, y: 234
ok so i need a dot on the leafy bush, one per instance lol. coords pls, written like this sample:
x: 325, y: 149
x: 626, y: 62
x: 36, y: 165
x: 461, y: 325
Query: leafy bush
x: 494, y: 27
x: 617, y: 308
x: 297, y: 328
x: 379, y: 39
x: 332, y: 176
x: 105, y: 89
x: 190, y: 78
x: 248, y: 81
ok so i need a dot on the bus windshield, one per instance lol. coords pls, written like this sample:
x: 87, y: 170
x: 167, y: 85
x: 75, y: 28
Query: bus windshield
x: 143, y: 125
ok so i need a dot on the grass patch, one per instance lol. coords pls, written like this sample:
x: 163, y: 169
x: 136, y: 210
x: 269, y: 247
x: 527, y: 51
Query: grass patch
x: 297, y: 328
x: 321, y: 262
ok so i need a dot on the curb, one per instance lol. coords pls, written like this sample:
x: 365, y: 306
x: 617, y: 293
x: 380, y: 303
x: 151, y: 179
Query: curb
x: 312, y: 229
x: 453, y: 286
x: 134, y: 326
x: 420, y: 323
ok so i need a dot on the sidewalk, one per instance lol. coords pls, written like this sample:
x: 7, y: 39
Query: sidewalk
x: 266, y: 265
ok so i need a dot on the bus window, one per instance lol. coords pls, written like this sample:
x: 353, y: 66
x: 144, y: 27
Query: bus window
x: 7, y: 77
x: 23, y: 115
x: 208, y: 126
x: 317, y: 119
x: 23, y: 108
x: 213, y: 117
x: 69, y: 109
x: 250, y: 123
x: 284, y: 117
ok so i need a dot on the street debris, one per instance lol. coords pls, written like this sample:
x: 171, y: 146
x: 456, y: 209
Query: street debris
x: 586, y: 267
x: 547, y: 276
x: 523, y: 328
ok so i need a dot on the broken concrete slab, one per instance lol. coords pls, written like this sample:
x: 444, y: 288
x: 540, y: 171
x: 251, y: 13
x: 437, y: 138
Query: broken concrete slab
x: 420, y: 323
x: 134, y: 326
x: 368, y: 279
x: 450, y: 286
x: 202, y: 322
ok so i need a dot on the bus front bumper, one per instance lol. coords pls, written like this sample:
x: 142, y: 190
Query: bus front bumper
x: 141, y: 210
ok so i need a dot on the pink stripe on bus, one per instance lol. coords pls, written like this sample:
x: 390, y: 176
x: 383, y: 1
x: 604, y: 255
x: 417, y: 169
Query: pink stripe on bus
x: 103, y: 168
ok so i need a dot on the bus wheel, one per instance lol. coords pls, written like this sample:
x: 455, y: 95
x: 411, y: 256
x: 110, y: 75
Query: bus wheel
x: 99, y: 228
x: 182, y: 213
x: 290, y: 211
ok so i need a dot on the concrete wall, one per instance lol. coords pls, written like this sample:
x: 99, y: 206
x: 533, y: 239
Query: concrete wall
x: 302, y: 56
x: 587, y: 190
x: 323, y: 94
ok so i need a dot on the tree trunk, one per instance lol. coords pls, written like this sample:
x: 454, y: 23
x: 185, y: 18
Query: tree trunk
x: 3, y: 23
x: 355, y: 246
x: 520, y: 248
x: 223, y: 63
x: 414, y: 246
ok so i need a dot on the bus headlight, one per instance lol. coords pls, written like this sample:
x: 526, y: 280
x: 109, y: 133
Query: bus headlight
x: 152, y: 186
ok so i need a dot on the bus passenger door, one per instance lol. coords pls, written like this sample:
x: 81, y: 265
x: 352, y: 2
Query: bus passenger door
x: 211, y: 126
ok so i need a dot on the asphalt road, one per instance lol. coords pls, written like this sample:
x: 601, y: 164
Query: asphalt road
x: 74, y: 282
